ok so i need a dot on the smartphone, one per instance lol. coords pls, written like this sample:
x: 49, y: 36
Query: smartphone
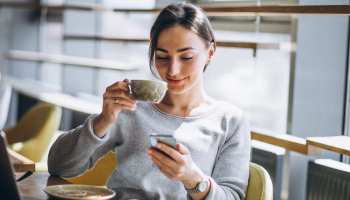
x: 166, y: 139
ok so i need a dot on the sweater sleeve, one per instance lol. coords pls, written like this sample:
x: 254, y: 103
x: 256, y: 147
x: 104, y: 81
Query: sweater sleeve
x: 231, y: 171
x: 77, y: 150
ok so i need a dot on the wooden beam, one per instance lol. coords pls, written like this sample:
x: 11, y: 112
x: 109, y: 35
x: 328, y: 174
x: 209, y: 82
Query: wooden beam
x: 338, y: 144
x: 281, y: 9
x: 137, y: 10
x: 211, y: 10
x: 263, y: 9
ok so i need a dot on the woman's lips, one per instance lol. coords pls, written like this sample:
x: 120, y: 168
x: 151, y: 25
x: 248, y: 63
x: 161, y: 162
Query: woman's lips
x: 176, y: 81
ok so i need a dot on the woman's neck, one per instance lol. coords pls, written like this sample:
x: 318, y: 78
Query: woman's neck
x: 183, y: 104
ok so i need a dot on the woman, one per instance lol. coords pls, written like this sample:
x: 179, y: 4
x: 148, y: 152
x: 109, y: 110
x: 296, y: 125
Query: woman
x: 211, y: 159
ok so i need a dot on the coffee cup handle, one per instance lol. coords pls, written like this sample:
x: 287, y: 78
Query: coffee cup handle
x: 129, y: 88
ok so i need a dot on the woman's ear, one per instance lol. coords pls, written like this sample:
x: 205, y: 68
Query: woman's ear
x: 211, y: 51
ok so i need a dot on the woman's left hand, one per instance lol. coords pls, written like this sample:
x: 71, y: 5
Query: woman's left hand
x: 176, y: 164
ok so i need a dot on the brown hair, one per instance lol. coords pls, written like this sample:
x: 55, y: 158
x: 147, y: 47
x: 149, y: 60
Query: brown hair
x: 186, y: 15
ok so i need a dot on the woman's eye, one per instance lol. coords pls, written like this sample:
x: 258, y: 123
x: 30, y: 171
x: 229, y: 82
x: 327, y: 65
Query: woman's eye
x: 186, y: 58
x: 162, y: 58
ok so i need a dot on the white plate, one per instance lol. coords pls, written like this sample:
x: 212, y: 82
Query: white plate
x: 79, y: 192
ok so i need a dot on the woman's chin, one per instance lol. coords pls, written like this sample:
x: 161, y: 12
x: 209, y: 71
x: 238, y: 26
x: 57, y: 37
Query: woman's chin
x: 176, y: 90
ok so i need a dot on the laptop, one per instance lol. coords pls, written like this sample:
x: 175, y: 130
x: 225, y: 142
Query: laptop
x: 8, y: 189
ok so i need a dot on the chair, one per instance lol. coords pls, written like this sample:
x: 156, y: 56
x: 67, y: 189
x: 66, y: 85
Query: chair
x: 34, y: 131
x: 259, y: 184
x: 99, y: 174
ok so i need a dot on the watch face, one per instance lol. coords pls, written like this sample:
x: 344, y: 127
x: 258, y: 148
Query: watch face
x: 203, y: 186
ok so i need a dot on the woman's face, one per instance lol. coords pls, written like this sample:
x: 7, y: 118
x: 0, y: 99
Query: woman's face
x: 180, y: 58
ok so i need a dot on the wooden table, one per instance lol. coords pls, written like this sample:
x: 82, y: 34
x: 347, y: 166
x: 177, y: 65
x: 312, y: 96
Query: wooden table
x: 338, y: 144
x: 20, y: 163
x: 289, y: 142
x: 32, y: 187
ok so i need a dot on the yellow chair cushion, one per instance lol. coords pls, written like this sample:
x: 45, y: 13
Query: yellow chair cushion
x: 259, y: 184
x: 99, y: 174
x: 34, y: 131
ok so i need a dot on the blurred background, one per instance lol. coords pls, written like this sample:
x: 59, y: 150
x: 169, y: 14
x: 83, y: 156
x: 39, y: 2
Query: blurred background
x: 288, y: 72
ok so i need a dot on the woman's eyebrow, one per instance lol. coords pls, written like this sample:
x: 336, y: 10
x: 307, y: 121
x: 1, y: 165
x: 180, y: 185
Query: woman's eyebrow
x: 184, y: 49
x: 163, y: 50
x: 178, y: 50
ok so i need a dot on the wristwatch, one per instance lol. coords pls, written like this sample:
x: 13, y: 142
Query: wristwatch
x: 200, y: 187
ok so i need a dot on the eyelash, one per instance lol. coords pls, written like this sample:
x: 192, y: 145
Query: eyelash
x: 187, y: 58
x: 166, y: 58
x: 162, y: 58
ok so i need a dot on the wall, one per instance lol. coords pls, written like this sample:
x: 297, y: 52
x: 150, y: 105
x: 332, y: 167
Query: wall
x: 320, y: 78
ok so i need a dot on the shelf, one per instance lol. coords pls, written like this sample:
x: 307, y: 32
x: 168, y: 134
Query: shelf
x: 105, y: 38
x: 53, y: 7
x: 80, y: 6
x: 18, y: 4
x: 221, y: 43
x: 43, y: 93
x: 69, y: 60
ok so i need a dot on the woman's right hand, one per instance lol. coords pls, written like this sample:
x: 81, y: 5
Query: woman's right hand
x: 115, y: 99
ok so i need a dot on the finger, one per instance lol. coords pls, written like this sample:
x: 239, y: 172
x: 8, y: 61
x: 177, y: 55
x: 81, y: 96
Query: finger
x: 116, y: 103
x: 118, y: 93
x: 119, y: 85
x: 120, y: 99
x: 172, y: 153
x: 164, y: 159
x: 182, y: 149
x: 166, y: 171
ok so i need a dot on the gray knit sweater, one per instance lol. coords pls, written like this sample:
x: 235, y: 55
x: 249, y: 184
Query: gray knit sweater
x: 218, y: 138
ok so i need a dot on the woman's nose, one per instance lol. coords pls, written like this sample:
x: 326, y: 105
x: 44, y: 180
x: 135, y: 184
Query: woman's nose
x: 174, y: 67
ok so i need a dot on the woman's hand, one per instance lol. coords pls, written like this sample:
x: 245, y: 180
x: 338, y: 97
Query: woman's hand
x: 176, y: 164
x: 115, y: 99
